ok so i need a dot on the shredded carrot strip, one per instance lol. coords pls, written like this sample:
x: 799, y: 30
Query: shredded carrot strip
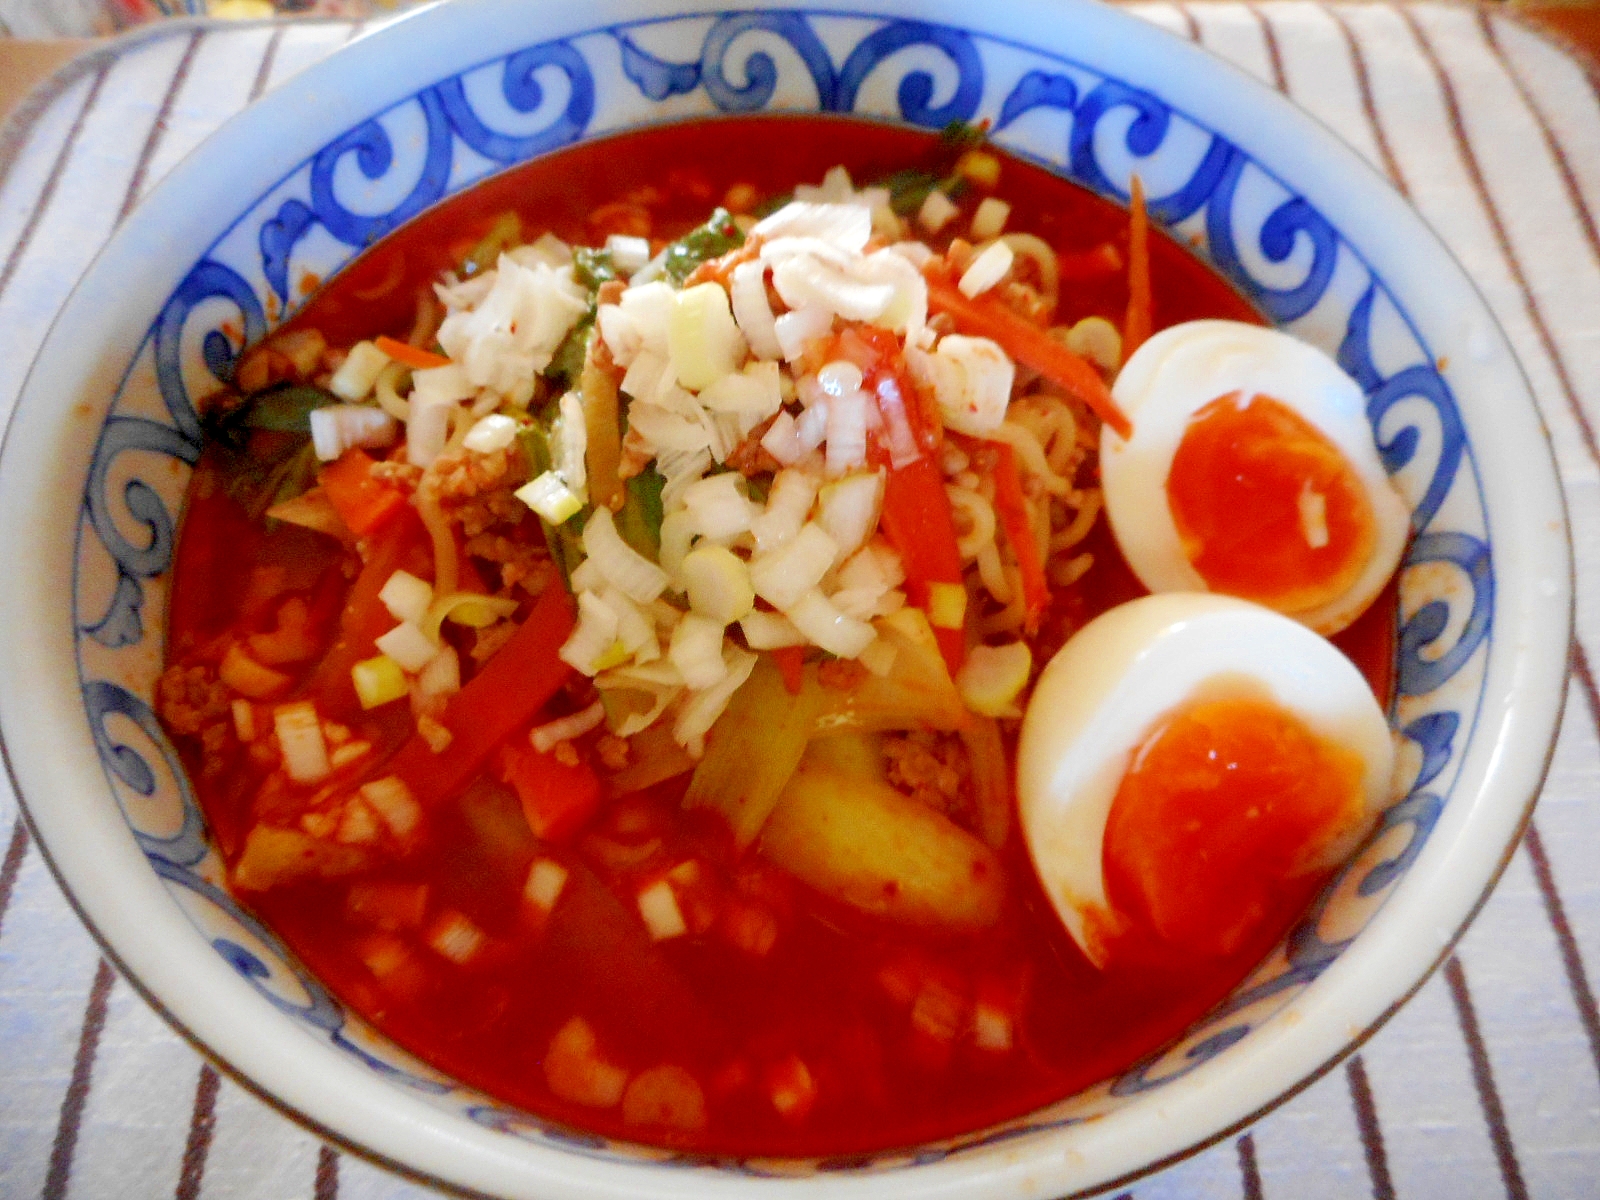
x: 1026, y: 343
x: 362, y: 501
x: 414, y: 357
x: 918, y: 523
x: 1136, y: 327
x: 1013, y: 511
x: 791, y: 664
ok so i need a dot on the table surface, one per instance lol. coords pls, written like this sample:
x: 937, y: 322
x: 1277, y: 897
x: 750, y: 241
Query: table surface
x: 1486, y: 1084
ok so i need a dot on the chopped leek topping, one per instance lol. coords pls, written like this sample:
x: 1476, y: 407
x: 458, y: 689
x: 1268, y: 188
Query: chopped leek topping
x: 407, y: 645
x: 551, y: 498
x: 406, y: 597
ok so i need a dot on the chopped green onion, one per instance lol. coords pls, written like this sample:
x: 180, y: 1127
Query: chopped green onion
x: 407, y: 645
x: 406, y: 597
x: 358, y: 374
x: 550, y: 497
x: 466, y: 608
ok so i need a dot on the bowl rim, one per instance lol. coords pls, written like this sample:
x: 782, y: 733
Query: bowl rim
x: 1540, y: 714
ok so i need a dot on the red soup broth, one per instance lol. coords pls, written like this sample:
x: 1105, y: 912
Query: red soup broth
x: 846, y: 1034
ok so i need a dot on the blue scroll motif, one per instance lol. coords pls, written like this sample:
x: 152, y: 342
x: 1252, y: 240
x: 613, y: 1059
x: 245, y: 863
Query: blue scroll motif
x: 1146, y: 131
x: 123, y: 622
x: 502, y: 1120
x: 837, y: 90
x: 1037, y: 89
x: 447, y: 114
x: 1435, y: 733
x: 1142, y: 1077
x: 277, y: 241
x: 370, y: 143
x: 523, y: 92
x: 916, y: 89
x: 320, y: 1009
x: 1277, y: 239
x: 121, y: 625
x: 761, y: 73
x: 1420, y: 675
x: 394, y: 1071
x: 655, y: 78
x: 1420, y: 811
x: 1422, y: 382
x: 208, y: 280
x: 135, y: 433
x: 104, y: 700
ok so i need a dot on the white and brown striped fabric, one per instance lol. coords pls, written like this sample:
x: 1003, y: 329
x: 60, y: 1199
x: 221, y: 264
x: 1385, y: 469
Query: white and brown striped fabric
x: 1487, y: 1084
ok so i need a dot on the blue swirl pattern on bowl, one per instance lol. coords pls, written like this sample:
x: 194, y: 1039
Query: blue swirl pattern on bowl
x: 1287, y: 257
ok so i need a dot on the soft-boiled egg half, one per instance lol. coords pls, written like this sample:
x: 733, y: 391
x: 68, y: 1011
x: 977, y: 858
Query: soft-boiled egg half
x: 1251, y: 471
x: 1183, y: 758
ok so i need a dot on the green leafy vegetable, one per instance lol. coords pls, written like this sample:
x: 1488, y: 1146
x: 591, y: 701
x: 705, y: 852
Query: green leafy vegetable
x: 963, y: 135
x: 286, y: 408
x: 271, y: 469
x: 591, y: 267
x: 266, y: 440
x: 282, y: 408
x: 716, y: 237
x: 909, y: 188
x: 566, y: 365
x: 639, y: 521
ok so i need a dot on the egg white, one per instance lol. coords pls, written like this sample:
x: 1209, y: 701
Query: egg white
x: 1102, y: 694
x: 1184, y: 368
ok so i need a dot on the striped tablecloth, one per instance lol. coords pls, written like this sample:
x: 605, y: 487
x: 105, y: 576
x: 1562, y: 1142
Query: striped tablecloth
x: 1487, y: 1084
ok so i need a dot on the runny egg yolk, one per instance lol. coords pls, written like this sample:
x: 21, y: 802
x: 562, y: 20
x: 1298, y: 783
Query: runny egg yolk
x: 1267, y: 507
x: 1223, y: 802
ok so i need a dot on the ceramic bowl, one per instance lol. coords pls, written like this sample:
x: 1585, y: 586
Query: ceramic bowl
x: 97, y: 457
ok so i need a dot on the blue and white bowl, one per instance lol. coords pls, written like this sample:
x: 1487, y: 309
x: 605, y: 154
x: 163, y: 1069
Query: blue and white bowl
x: 96, y: 462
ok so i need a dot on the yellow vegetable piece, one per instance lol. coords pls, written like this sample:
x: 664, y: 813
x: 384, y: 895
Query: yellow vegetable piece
x: 615, y: 656
x: 993, y: 677
x: 378, y: 681
x: 466, y: 608
x: 859, y: 755
x: 871, y: 847
x: 980, y: 167
x: 718, y: 583
x: 916, y: 693
x: 947, y: 605
x: 756, y: 747
x: 703, y: 340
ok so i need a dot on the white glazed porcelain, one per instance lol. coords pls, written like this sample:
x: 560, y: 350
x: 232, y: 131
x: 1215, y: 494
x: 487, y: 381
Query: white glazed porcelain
x: 92, y: 476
